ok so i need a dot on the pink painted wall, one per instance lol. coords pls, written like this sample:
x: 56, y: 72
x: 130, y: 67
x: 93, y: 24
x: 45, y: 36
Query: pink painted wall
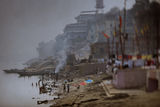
x: 129, y: 79
x: 153, y: 74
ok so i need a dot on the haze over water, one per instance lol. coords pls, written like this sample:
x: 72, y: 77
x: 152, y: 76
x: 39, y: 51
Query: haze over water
x: 18, y: 92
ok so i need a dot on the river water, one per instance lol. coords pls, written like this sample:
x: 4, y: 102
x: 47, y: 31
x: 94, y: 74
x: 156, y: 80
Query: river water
x: 19, y: 92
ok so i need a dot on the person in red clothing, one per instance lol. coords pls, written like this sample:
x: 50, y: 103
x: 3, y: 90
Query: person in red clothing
x: 149, y: 62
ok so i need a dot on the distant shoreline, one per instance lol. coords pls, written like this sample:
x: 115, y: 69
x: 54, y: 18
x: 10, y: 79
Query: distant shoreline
x: 25, y: 73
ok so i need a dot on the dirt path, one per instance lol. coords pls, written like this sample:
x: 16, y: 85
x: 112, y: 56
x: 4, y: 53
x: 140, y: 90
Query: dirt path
x: 96, y: 95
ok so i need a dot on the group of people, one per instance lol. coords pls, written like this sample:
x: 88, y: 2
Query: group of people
x: 113, y: 64
x: 66, y: 85
x: 35, y: 84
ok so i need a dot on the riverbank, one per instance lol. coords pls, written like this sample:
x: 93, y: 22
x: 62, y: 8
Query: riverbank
x: 97, y: 95
x: 26, y: 73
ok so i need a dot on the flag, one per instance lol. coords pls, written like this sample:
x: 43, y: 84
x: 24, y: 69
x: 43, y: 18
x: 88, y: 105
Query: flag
x: 144, y: 57
x: 115, y: 30
x: 136, y: 30
x: 120, y: 21
x: 129, y: 57
x: 146, y: 27
x: 142, y: 31
x: 114, y: 33
x: 120, y: 57
x: 105, y: 35
x: 134, y: 58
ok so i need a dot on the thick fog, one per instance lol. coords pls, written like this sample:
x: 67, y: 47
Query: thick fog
x: 25, y: 23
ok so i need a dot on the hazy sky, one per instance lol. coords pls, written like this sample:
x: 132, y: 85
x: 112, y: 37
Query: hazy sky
x: 25, y: 23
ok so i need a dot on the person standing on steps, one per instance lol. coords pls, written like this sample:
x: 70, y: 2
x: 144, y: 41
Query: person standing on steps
x: 64, y: 87
x: 68, y: 87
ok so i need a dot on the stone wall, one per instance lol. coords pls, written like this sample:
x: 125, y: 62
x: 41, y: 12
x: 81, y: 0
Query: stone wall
x: 89, y: 68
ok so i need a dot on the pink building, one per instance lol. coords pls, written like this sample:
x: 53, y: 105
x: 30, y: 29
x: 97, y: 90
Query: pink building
x: 127, y: 79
